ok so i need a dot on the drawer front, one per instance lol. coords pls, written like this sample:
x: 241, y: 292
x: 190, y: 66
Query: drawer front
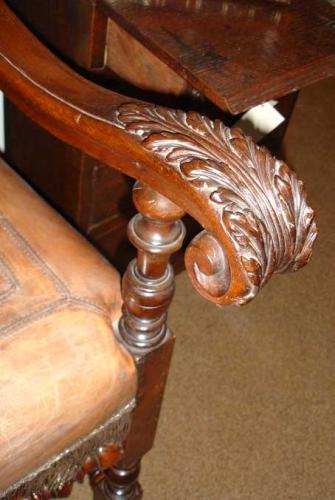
x: 110, y: 194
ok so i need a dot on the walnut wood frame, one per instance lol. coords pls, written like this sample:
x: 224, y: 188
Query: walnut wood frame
x: 252, y: 207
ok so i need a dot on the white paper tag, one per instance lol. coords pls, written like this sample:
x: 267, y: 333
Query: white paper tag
x: 2, y: 123
x: 260, y: 120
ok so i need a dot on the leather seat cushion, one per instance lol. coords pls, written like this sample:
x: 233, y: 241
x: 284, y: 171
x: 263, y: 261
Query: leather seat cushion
x: 62, y: 371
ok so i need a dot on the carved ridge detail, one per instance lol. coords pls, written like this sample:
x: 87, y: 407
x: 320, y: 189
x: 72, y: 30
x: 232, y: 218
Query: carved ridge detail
x: 258, y: 202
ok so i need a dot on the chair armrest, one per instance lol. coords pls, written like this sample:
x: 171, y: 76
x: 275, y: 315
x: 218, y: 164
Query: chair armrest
x: 252, y: 206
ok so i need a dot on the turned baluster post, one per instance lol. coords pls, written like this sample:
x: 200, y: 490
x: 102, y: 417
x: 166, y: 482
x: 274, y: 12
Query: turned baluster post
x: 148, y: 284
x: 147, y: 288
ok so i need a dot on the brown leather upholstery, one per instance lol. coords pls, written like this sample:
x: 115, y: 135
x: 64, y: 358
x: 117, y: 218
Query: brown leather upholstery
x: 62, y: 373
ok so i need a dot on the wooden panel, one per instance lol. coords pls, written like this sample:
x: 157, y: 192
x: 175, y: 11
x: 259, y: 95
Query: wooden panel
x: 111, y: 194
x: 51, y: 167
x: 135, y: 64
x: 74, y: 28
x: 238, y: 54
x: 111, y: 240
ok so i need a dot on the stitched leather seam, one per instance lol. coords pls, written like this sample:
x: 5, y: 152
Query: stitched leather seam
x: 66, y: 300
x: 61, y: 304
x: 30, y: 253
x: 9, y: 276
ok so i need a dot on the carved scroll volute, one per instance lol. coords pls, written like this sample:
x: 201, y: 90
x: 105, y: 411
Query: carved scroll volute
x: 252, y: 206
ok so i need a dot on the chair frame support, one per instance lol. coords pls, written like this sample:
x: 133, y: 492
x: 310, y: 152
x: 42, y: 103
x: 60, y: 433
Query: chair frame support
x: 148, y: 287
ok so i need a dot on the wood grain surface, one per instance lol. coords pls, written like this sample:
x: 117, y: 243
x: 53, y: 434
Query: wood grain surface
x: 237, y: 53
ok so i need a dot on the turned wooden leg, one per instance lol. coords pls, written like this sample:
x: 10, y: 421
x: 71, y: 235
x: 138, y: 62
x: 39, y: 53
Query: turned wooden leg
x: 117, y: 483
x: 148, y: 287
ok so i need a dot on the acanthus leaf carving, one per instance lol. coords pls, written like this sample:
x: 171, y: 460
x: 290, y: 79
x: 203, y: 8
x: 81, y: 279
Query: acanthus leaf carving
x: 260, y: 203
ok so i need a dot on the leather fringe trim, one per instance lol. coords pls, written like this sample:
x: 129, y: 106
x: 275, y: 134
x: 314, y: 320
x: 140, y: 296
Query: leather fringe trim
x: 65, y: 466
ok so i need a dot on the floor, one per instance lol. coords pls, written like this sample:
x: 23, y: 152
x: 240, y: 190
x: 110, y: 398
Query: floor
x: 249, y: 412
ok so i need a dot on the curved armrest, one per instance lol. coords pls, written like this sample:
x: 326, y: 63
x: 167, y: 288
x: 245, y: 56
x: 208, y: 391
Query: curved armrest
x: 252, y: 206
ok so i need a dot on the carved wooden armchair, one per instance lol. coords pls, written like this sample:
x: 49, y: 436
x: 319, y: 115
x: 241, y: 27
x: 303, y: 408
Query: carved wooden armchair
x: 81, y: 383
